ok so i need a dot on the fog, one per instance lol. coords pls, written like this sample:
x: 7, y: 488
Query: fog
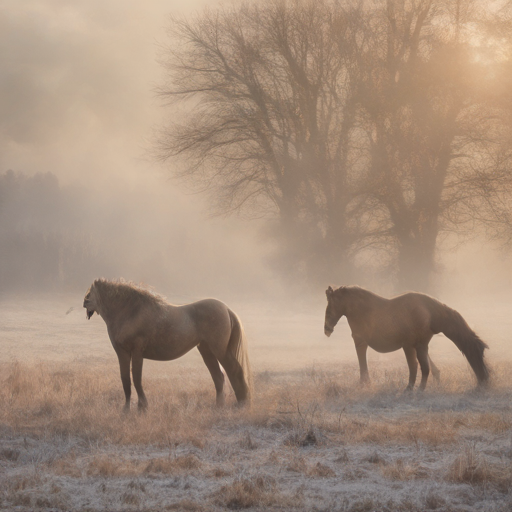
x: 79, y: 113
x: 83, y: 196
x: 78, y: 101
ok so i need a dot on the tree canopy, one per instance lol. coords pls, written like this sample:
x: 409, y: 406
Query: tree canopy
x: 361, y: 130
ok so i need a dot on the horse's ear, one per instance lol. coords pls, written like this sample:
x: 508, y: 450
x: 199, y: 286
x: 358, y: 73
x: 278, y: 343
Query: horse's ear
x: 329, y: 292
x: 98, y: 283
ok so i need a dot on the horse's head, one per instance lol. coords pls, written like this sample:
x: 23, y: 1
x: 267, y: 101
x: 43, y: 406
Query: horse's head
x: 91, y: 301
x: 335, y: 309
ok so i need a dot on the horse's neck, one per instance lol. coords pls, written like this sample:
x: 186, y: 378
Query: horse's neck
x: 364, y: 302
x: 113, y: 305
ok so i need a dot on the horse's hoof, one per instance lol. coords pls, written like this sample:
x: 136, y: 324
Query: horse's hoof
x: 243, y: 404
x: 482, y: 387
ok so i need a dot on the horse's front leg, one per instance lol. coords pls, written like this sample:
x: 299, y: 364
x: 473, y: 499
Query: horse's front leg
x: 124, y: 366
x: 423, y: 359
x: 412, y: 361
x: 361, y: 348
x: 137, y: 361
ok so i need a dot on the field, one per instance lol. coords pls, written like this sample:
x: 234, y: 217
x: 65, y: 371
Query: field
x: 313, y: 439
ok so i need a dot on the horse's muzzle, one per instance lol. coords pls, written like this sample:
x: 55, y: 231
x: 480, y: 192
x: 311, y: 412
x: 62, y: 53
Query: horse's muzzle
x: 327, y: 331
x: 89, y: 313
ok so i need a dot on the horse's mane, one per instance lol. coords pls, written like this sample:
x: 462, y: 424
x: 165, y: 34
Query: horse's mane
x: 119, y: 291
x: 358, y: 292
x: 358, y: 296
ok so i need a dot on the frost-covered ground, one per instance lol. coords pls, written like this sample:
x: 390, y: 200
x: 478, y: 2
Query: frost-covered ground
x: 313, y: 439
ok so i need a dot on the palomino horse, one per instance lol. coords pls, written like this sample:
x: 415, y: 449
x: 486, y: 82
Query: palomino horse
x: 408, y: 321
x: 142, y: 325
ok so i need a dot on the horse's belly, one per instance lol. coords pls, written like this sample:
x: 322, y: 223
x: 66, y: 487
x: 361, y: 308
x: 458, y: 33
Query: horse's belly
x: 167, y: 351
x: 165, y: 355
x: 384, y: 345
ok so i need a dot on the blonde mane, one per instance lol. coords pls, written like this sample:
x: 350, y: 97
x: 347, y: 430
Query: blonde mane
x: 118, y: 292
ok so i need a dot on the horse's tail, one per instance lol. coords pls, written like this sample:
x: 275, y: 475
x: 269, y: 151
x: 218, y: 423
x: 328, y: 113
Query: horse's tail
x: 452, y: 325
x: 239, y: 371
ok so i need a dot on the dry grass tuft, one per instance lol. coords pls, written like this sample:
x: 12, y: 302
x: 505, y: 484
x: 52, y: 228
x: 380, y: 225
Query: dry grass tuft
x: 433, y: 500
x: 473, y: 468
x: 187, y: 506
x: 321, y: 470
x: 400, y: 470
x: 296, y: 463
x: 9, y: 454
x: 22, y: 482
x: 376, y: 458
x: 109, y: 466
x: 173, y: 465
x: 66, y: 466
x: 258, y: 491
x: 221, y: 472
x: 130, y: 498
x: 301, y: 439
x: 246, y: 442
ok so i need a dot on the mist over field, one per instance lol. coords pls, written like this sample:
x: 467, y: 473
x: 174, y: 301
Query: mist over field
x: 88, y: 190
x: 79, y: 111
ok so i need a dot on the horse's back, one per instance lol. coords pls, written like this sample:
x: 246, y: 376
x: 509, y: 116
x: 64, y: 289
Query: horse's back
x: 168, y: 332
x: 395, y: 320
x: 210, y: 317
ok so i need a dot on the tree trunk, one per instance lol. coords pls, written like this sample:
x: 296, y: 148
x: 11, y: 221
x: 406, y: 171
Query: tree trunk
x: 416, y: 255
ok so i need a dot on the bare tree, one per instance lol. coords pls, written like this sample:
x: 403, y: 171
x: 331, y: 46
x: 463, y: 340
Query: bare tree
x: 357, y: 127
x: 432, y: 133
x: 274, y: 98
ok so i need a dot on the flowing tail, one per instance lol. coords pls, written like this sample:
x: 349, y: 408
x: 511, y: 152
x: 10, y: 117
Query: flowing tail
x: 452, y: 325
x: 236, y: 362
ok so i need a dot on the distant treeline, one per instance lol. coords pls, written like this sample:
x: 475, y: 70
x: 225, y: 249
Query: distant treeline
x: 44, y: 240
x: 59, y: 237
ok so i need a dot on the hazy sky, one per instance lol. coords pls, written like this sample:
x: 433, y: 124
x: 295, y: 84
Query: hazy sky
x: 77, y: 98
x: 77, y: 83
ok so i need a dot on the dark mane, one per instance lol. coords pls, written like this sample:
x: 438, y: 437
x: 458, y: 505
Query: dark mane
x: 359, y: 296
x: 407, y: 321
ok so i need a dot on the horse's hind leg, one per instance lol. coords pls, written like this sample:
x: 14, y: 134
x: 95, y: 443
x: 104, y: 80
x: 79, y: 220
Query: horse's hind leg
x: 137, y: 361
x: 124, y: 366
x: 410, y: 354
x: 213, y: 366
x: 435, y: 370
x: 236, y: 376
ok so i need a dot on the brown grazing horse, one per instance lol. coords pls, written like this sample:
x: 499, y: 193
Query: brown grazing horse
x: 142, y: 325
x: 405, y: 322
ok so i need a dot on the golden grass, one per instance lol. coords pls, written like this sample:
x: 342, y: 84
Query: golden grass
x: 472, y: 467
x: 309, y: 426
x: 403, y: 470
x: 76, y: 401
x: 110, y: 466
x: 260, y: 491
x: 173, y: 465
